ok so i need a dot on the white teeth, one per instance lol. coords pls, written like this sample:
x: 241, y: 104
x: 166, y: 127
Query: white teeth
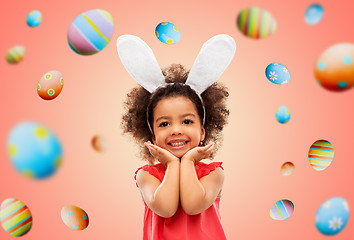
x: 178, y: 143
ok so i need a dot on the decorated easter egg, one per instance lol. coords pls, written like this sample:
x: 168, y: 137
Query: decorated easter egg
x: 99, y: 143
x: 334, y: 69
x: 167, y: 33
x: 332, y: 216
x: 321, y: 154
x: 256, y: 23
x: 15, y: 217
x: 50, y: 85
x: 91, y: 31
x: 74, y: 217
x: 281, y: 210
x: 283, y: 114
x: 34, y: 18
x: 314, y: 14
x: 287, y: 169
x: 15, y: 54
x: 34, y: 150
x: 277, y: 73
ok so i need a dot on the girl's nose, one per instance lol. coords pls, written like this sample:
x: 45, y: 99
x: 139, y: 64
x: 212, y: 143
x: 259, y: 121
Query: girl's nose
x: 176, y: 130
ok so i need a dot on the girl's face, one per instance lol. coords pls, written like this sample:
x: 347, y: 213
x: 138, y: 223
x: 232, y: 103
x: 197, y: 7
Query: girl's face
x: 176, y: 125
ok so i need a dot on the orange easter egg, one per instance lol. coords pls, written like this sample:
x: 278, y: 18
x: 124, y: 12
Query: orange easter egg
x: 74, y: 217
x: 50, y: 85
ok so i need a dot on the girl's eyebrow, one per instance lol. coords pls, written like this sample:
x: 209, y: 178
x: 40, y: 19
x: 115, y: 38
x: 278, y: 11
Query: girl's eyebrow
x: 183, y: 116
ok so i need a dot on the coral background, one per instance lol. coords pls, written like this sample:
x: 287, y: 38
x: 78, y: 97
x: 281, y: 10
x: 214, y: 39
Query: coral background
x: 255, y: 144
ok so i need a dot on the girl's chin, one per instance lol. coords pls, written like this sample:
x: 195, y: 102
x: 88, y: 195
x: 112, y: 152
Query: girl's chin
x: 179, y: 154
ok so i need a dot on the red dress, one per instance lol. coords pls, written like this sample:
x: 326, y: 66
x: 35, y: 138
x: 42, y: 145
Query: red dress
x: 181, y: 226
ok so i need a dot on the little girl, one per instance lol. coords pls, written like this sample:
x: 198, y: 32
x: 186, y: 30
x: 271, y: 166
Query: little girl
x: 177, y: 118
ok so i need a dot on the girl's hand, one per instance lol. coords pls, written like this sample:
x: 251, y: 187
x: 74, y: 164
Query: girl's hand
x: 198, y: 153
x: 160, y: 154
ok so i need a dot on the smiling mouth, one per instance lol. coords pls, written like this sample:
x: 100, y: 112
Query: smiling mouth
x: 178, y: 144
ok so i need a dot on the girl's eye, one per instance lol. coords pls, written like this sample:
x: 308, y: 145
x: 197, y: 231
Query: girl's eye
x: 163, y: 124
x: 187, y: 121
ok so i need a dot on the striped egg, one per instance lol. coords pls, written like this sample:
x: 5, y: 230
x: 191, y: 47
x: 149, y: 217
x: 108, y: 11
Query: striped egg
x: 256, y: 23
x: 15, y: 217
x: 15, y: 54
x: 90, y: 32
x: 281, y: 210
x: 50, y: 85
x: 74, y: 217
x: 321, y: 154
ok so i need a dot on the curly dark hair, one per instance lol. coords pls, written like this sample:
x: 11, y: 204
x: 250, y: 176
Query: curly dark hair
x: 139, y: 100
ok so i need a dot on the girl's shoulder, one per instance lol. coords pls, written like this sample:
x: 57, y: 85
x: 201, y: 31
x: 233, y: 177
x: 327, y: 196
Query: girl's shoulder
x: 204, y: 169
x: 156, y: 170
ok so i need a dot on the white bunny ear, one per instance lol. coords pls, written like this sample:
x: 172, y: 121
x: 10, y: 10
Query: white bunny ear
x: 140, y: 62
x: 212, y: 60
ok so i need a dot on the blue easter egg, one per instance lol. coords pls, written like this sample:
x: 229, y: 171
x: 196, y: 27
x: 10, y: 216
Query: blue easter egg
x: 167, y: 33
x: 332, y: 216
x: 34, y: 150
x: 34, y: 18
x: 314, y: 14
x: 277, y: 73
x: 283, y: 114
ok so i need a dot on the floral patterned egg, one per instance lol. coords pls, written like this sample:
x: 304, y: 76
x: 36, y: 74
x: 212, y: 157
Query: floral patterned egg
x: 277, y: 73
x: 50, y: 85
x: 332, y: 216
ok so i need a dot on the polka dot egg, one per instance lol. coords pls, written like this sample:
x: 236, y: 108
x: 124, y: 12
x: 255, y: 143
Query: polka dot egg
x: 90, y: 32
x: 283, y: 114
x: 34, y: 18
x: 287, y: 169
x: 332, y: 216
x: 34, y: 150
x: 74, y: 217
x: 334, y: 69
x: 15, y: 54
x: 281, y: 210
x: 50, y: 85
x: 321, y: 154
x: 256, y: 23
x: 277, y: 73
x: 167, y: 33
x: 15, y: 217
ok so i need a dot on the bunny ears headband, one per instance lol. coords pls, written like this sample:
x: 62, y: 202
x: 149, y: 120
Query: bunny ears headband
x: 212, y: 60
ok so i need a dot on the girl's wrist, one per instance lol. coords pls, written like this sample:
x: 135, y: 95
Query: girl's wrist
x: 173, y: 162
x: 187, y: 159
